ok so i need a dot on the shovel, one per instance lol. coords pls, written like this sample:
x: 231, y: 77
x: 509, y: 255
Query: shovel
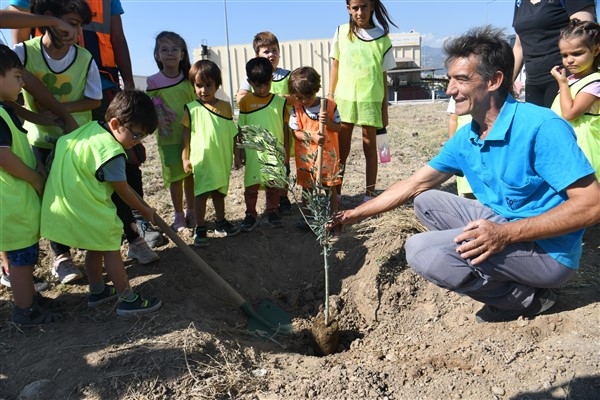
x: 268, y: 318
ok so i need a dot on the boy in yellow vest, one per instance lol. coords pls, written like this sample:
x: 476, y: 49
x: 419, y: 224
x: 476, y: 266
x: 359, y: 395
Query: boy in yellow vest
x: 21, y: 186
x: 77, y: 210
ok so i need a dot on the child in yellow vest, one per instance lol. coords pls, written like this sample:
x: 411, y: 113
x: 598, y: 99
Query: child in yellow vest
x: 266, y: 45
x: 578, y: 100
x: 88, y: 166
x: 21, y: 186
x: 171, y: 90
x: 208, y: 148
x: 267, y: 110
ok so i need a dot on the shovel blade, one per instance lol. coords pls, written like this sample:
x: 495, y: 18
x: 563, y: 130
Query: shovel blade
x: 268, y: 318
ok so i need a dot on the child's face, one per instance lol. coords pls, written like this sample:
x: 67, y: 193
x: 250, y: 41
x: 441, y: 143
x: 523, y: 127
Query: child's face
x: 360, y: 11
x: 127, y: 136
x: 306, y: 100
x: 577, y: 57
x: 169, y: 53
x: 76, y: 22
x: 261, y: 89
x: 205, y: 91
x: 11, y: 84
x: 271, y: 53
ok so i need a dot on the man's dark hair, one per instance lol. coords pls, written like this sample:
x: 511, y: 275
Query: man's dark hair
x: 259, y: 70
x: 492, y: 50
x: 133, y: 107
x: 8, y: 60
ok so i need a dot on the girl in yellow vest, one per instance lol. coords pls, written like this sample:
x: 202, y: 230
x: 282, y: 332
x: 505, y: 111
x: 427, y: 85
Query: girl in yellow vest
x: 361, y: 52
x: 208, y: 148
x: 578, y: 100
x: 170, y: 90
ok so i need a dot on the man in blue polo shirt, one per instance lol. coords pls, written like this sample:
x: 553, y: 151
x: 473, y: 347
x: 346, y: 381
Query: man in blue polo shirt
x: 535, y: 191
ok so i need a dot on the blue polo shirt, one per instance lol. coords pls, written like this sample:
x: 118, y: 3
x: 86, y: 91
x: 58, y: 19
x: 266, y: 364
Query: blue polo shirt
x: 522, y: 168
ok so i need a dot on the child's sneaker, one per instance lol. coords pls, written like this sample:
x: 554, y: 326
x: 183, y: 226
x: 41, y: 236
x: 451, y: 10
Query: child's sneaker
x: 190, y: 218
x: 108, y: 294
x: 179, y: 224
x: 33, y: 315
x: 200, y: 239
x: 140, y: 251
x: 225, y: 228
x: 139, y: 305
x: 248, y: 224
x: 65, y: 270
x: 285, y: 207
x: 275, y: 220
x: 152, y: 236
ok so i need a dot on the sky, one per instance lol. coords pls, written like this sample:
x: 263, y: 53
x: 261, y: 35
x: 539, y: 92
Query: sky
x: 203, y: 21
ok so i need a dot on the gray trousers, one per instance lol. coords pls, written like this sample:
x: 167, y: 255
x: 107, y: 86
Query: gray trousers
x: 507, y: 280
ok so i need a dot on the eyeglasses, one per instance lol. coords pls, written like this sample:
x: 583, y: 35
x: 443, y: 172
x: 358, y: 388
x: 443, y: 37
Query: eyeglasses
x: 136, y: 135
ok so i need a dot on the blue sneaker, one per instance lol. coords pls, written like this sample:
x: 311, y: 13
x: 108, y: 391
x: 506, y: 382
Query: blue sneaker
x: 108, y: 294
x: 138, y: 305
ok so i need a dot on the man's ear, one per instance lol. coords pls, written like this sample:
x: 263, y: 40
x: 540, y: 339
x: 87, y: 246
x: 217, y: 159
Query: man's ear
x: 496, y: 81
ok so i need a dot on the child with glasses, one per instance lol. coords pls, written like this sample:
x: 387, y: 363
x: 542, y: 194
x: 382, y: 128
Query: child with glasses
x: 77, y: 210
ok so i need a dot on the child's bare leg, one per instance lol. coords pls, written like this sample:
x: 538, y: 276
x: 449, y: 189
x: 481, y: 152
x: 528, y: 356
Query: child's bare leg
x: 370, y: 151
x: 218, y: 199
x: 176, y: 190
x: 200, y: 207
x: 188, y: 189
x: 345, y: 141
x: 113, y: 263
x: 21, y: 281
x: 93, y: 267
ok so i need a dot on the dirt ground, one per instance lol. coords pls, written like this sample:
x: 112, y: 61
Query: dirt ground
x: 400, y: 336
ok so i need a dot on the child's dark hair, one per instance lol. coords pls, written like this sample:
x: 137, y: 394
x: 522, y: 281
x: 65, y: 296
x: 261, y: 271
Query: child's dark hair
x: 381, y: 15
x: 264, y: 39
x: 133, y: 107
x: 184, y: 64
x: 259, y: 70
x: 8, y: 60
x: 586, y: 31
x: 207, y: 71
x: 58, y: 8
x: 304, y: 81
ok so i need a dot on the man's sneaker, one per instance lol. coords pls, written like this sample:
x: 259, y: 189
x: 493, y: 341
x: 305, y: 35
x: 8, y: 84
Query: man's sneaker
x: 179, y: 224
x: 152, y: 236
x: 33, y: 315
x: 200, y: 239
x: 139, y: 305
x: 190, y: 218
x: 38, y: 283
x: 225, y: 228
x: 248, y: 224
x: 140, y: 251
x: 275, y: 220
x: 65, y: 270
x: 285, y: 207
x: 108, y: 294
x: 544, y: 300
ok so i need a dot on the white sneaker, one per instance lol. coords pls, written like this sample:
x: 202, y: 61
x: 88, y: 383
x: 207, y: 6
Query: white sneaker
x: 179, y: 224
x: 140, y: 251
x: 65, y: 270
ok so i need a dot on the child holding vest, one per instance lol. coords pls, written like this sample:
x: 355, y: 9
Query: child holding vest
x: 305, y: 121
x: 267, y: 110
x: 21, y: 186
x: 88, y: 166
x: 209, y: 149
x: 578, y: 100
x: 171, y: 90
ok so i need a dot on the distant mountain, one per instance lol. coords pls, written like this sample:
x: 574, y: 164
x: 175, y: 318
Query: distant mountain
x: 433, y: 57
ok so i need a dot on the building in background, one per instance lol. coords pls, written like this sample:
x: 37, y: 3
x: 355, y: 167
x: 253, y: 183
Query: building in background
x: 404, y: 81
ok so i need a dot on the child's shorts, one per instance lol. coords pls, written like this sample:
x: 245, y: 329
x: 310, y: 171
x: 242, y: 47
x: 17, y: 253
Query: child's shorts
x: 24, y: 257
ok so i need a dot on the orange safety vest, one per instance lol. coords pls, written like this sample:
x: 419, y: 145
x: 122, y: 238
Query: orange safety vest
x: 96, y: 39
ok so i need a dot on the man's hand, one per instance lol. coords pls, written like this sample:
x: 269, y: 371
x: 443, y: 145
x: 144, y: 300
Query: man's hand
x: 480, y: 239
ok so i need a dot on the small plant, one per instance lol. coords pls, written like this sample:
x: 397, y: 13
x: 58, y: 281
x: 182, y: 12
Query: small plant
x: 317, y: 212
